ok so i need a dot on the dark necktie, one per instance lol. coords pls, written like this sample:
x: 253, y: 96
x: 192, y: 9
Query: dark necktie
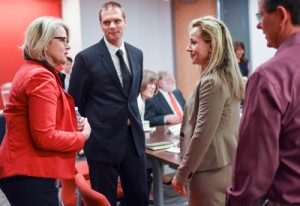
x: 125, y: 71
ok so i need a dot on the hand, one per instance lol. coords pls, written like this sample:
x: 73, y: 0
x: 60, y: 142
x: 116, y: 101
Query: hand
x: 172, y: 119
x: 178, y: 187
x: 86, y: 130
x: 80, y: 123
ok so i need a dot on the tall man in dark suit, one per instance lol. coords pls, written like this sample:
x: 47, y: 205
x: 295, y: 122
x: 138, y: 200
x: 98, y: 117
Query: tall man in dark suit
x: 167, y: 106
x: 105, y: 87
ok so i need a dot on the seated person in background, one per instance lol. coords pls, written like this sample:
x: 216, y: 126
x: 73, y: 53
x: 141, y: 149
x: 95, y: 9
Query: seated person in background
x: 67, y: 69
x: 239, y: 49
x: 167, y: 106
x: 148, y: 89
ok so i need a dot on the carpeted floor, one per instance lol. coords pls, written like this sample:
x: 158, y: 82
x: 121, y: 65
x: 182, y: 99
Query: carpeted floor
x: 171, y: 198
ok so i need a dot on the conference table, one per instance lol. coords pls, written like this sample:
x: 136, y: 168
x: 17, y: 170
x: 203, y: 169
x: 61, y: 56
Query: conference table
x: 159, y: 158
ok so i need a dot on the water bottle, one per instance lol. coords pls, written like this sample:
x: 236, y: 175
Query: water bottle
x: 77, y: 114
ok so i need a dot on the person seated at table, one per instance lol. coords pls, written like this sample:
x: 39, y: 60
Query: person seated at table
x: 167, y: 106
x: 147, y: 91
x: 239, y: 50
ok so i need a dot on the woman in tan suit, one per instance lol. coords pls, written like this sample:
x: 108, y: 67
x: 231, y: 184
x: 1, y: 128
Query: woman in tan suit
x: 208, y: 136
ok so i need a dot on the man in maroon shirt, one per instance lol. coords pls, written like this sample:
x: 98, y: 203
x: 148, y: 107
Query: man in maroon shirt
x: 267, y: 162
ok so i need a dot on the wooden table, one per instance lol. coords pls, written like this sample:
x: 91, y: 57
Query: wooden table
x: 159, y: 158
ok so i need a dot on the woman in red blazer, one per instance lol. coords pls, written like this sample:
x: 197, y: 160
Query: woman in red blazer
x: 42, y: 135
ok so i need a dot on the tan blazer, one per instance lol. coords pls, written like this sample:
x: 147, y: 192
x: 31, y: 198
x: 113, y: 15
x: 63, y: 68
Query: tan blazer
x: 208, y: 136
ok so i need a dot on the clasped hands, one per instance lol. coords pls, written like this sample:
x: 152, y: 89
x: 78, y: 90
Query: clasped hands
x: 179, y: 188
x: 84, y: 127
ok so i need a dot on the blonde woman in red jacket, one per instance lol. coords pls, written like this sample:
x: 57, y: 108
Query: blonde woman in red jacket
x: 42, y: 134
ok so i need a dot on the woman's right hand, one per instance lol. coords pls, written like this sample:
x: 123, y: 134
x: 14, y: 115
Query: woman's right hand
x: 179, y: 188
x: 86, y: 130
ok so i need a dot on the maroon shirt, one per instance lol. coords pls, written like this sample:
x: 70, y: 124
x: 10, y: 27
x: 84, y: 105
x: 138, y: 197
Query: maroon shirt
x: 268, y: 154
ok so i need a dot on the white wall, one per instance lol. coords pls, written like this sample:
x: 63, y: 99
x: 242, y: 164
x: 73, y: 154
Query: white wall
x: 149, y: 28
x: 71, y: 16
x: 260, y: 53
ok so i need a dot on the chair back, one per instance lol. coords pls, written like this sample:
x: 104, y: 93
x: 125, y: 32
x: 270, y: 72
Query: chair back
x: 68, y: 195
x: 89, y: 196
x: 82, y: 167
x: 67, y: 192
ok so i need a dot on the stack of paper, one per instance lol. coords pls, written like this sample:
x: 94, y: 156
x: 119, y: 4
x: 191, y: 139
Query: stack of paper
x: 159, y: 145
x: 174, y: 150
x: 175, y: 129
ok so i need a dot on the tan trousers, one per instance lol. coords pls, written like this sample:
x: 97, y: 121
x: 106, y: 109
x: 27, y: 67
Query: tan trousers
x: 209, y: 187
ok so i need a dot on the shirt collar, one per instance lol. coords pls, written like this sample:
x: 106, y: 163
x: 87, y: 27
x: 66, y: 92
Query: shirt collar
x: 113, y: 49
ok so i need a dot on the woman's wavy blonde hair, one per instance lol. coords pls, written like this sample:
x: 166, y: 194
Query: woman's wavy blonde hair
x: 38, y: 34
x: 222, y: 63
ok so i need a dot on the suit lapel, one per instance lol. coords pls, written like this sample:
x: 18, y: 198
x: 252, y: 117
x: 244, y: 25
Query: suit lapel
x: 133, y: 66
x: 164, y: 103
x: 109, y: 65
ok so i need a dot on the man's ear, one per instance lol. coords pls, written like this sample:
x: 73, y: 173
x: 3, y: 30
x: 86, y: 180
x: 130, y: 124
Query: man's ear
x: 284, y: 15
x: 160, y: 84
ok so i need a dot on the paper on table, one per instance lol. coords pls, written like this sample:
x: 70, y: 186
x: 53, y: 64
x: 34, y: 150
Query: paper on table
x: 159, y: 145
x: 175, y: 129
x: 149, y: 129
x: 174, y: 150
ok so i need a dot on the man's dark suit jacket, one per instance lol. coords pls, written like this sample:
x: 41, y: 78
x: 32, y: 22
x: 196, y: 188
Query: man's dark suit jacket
x: 157, y: 107
x: 99, y: 95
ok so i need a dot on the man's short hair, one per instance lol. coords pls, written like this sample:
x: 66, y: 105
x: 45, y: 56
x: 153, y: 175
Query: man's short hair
x: 293, y: 6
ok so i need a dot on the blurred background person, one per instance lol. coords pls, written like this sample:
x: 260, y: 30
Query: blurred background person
x: 67, y: 69
x: 239, y: 49
x: 42, y: 134
x: 167, y: 106
x: 148, y: 90
x: 211, y: 116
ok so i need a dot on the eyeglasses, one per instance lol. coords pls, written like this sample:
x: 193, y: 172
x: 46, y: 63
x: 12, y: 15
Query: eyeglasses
x: 65, y: 40
x: 259, y: 16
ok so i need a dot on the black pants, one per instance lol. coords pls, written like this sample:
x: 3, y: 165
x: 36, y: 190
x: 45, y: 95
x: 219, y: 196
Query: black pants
x: 149, y: 181
x: 132, y: 171
x: 33, y: 191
